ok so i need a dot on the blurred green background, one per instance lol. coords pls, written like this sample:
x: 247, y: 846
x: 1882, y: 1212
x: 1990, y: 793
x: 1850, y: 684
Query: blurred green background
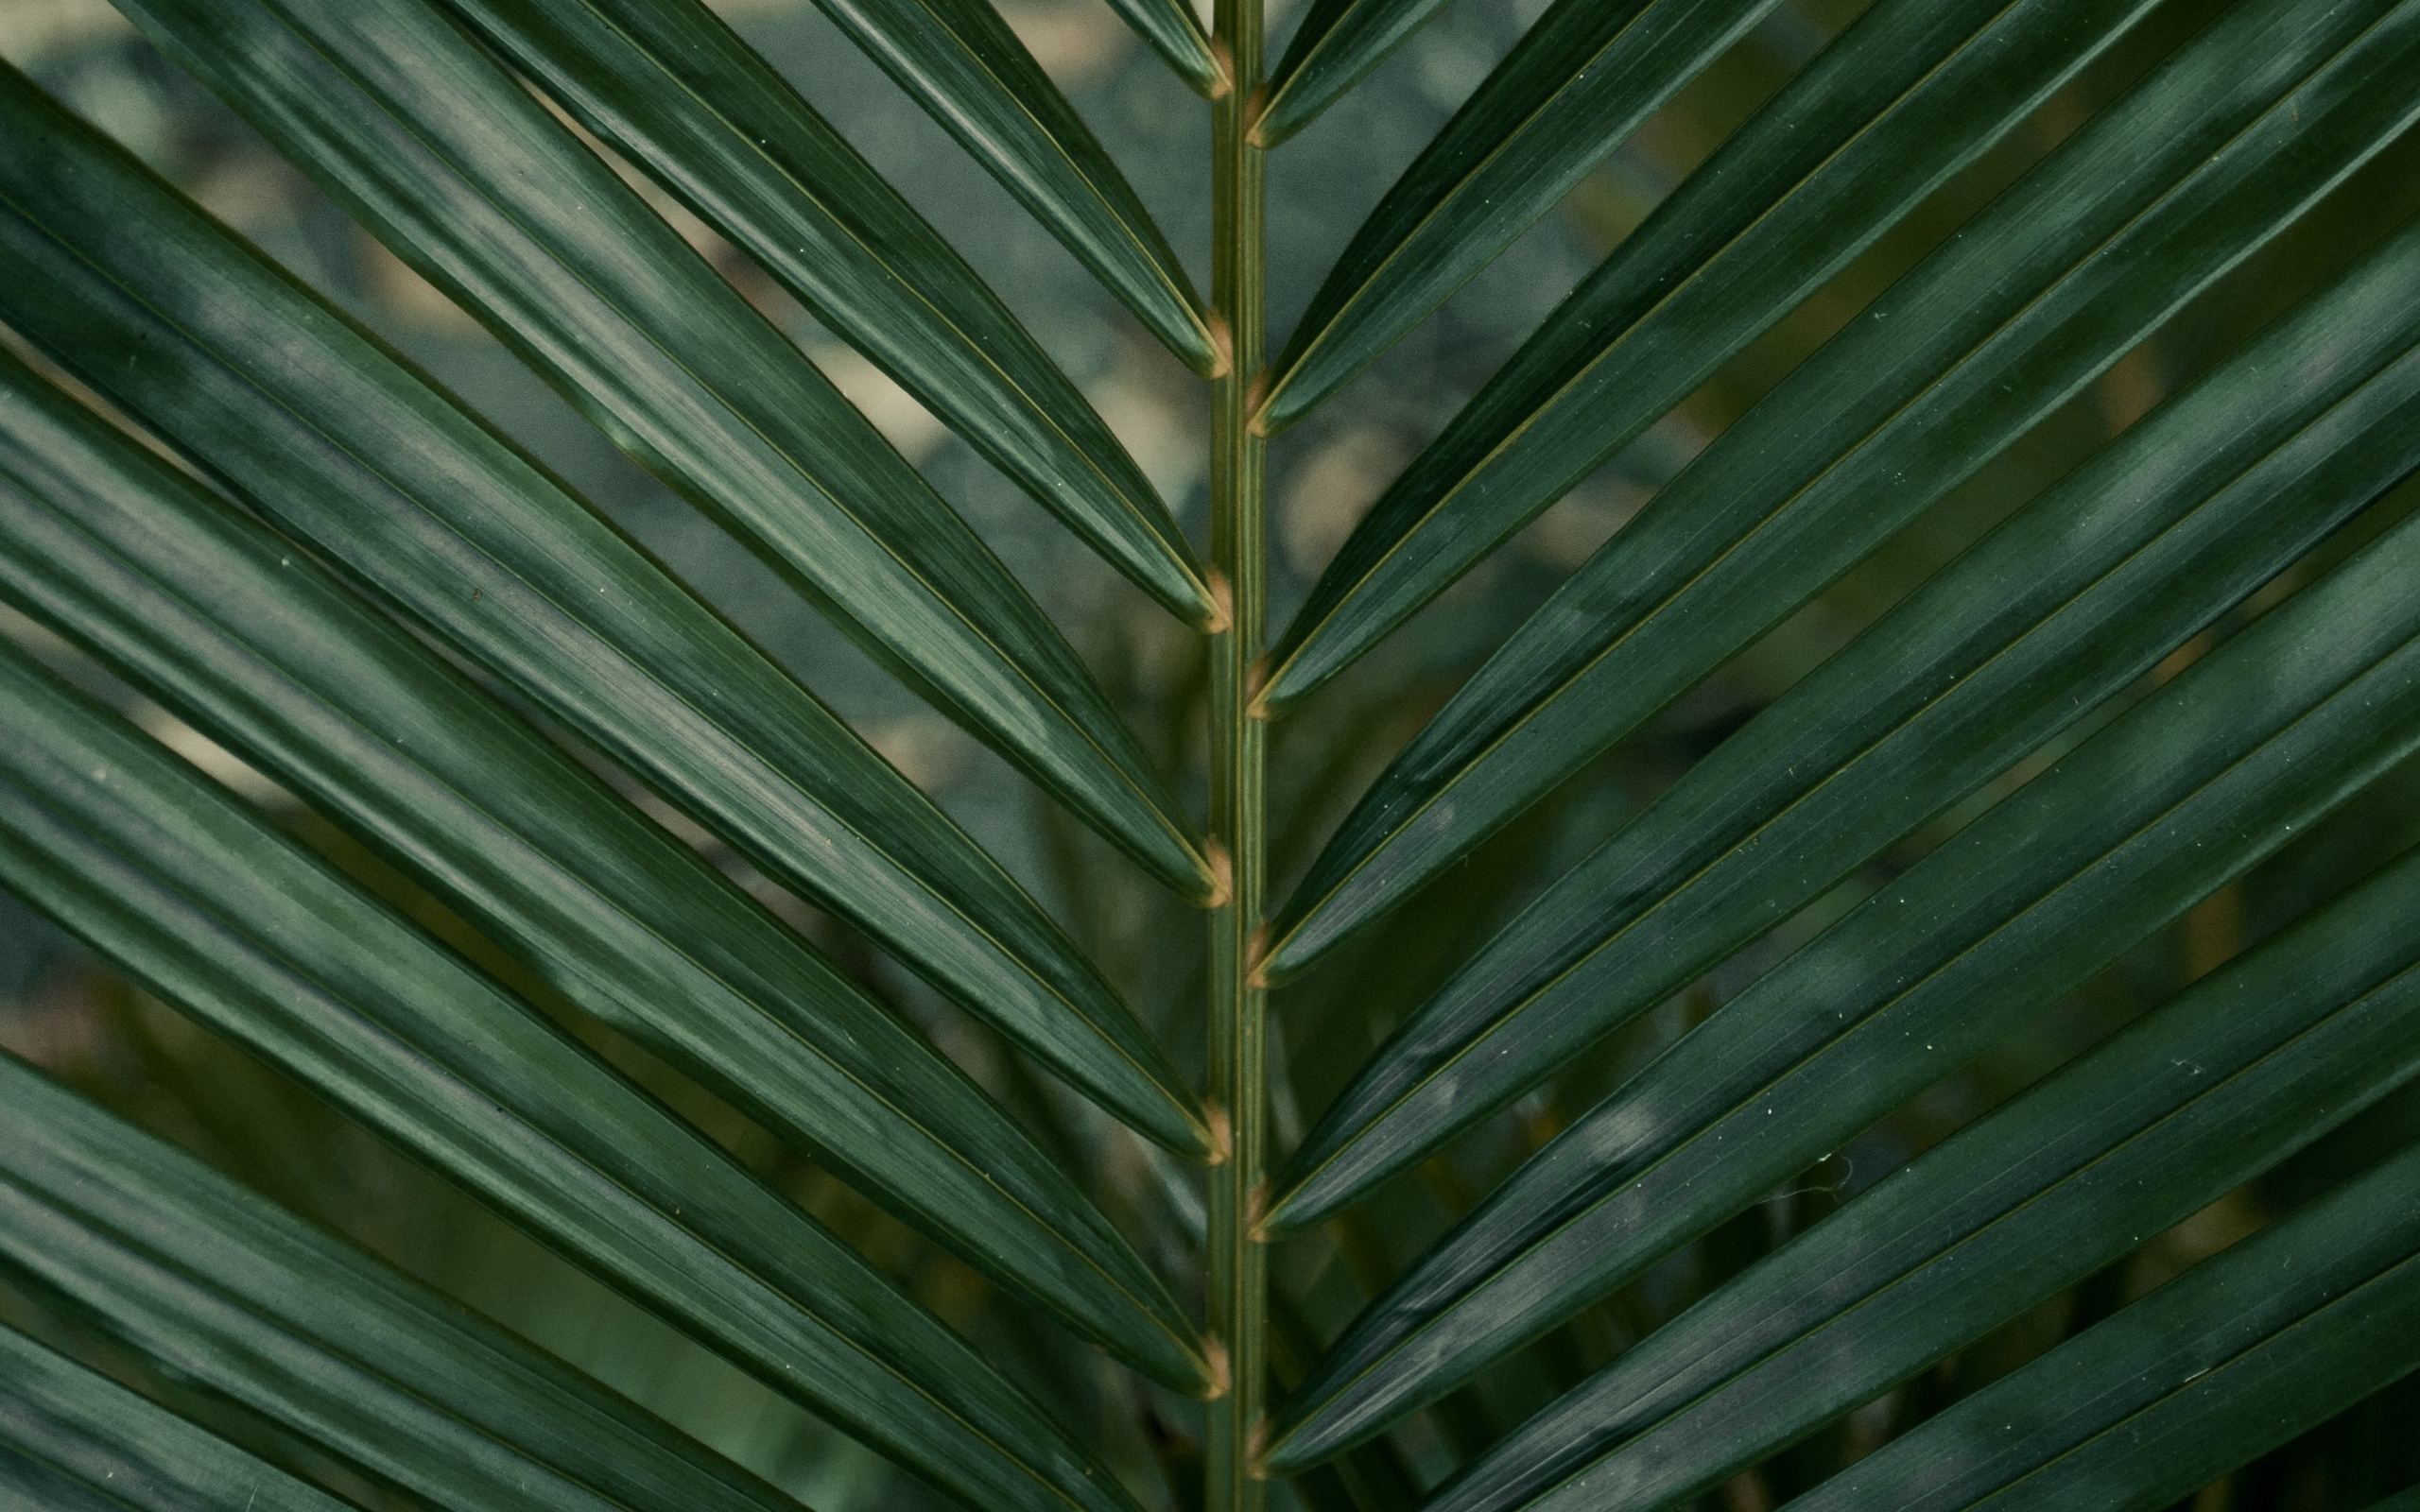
x: 67, y: 1013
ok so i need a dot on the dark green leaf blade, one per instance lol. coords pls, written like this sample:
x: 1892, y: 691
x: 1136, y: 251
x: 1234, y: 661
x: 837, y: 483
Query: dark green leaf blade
x: 226, y: 624
x: 2240, y: 1353
x: 329, y: 435
x: 2203, y: 1094
x: 2184, y: 176
x: 1910, y: 93
x: 669, y: 85
x: 73, y: 1440
x: 405, y: 120
x: 960, y: 61
x: 1334, y: 47
x: 2059, y: 609
x: 2193, y: 787
x: 192, y: 895
x: 1576, y: 86
x: 226, y: 1289
x: 1175, y: 33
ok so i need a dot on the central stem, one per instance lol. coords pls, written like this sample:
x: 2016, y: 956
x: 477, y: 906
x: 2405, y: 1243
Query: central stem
x: 1237, y: 1263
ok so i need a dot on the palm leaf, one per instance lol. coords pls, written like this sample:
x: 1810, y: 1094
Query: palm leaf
x: 2216, y: 770
x: 1905, y: 99
x: 119, y: 552
x: 73, y: 1440
x: 1337, y: 44
x: 1679, y: 892
x: 1579, y: 82
x: 960, y: 61
x: 2251, y: 1065
x: 185, y: 890
x: 435, y: 149
x: 227, y: 1291
x: 2052, y: 614
x: 327, y: 434
x: 1175, y: 34
x: 670, y: 85
x: 2241, y: 1353
x: 2214, y: 154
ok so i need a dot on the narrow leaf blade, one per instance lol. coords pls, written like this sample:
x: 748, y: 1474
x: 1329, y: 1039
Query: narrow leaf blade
x: 406, y: 121
x: 73, y: 1440
x: 669, y: 85
x: 2214, y: 771
x: 1586, y: 76
x: 226, y: 1289
x: 2240, y: 1353
x: 2203, y: 1094
x: 1909, y: 94
x: 198, y: 899
x: 328, y: 435
x: 2207, y: 159
x: 960, y: 61
x: 1175, y: 33
x: 2081, y: 592
x: 1335, y: 48
x: 219, y: 619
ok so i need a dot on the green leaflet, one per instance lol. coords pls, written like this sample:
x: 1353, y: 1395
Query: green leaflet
x: 1175, y: 34
x: 73, y: 1440
x: 1576, y: 85
x: 323, y: 431
x: 2150, y: 202
x: 1912, y: 92
x: 430, y: 144
x: 2240, y: 1353
x: 669, y: 83
x: 2192, y: 787
x: 2079, y: 592
x: 186, y: 891
x: 331, y: 486
x: 224, y: 621
x: 960, y: 61
x: 225, y: 1289
x: 2249, y: 1066
x: 1334, y: 47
